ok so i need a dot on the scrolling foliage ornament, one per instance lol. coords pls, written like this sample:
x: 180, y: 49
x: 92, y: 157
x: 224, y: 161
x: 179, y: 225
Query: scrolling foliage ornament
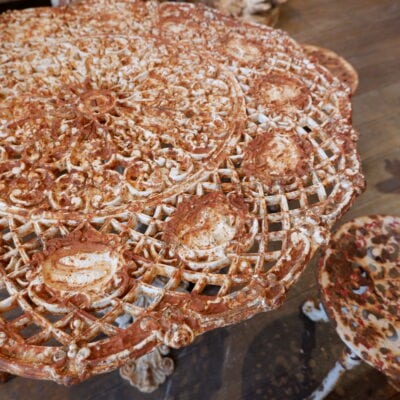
x: 160, y: 161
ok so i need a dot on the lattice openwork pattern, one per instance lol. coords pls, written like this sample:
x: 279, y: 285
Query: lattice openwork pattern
x: 165, y: 170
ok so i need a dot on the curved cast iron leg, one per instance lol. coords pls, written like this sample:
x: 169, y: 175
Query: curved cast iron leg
x: 347, y: 361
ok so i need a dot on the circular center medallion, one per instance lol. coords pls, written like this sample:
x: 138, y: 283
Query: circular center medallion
x: 141, y: 120
x: 97, y: 101
x: 83, y: 268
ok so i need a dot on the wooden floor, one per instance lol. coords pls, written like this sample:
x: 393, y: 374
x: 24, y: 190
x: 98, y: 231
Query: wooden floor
x: 281, y: 355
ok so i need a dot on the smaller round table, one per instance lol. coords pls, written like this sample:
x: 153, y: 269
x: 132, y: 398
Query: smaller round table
x: 359, y: 277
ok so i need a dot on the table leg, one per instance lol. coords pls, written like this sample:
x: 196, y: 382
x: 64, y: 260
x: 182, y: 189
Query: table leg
x: 347, y: 361
x: 150, y: 371
x: 315, y: 311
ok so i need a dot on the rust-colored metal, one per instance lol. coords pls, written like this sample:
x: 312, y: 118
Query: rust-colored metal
x: 337, y: 65
x: 261, y: 11
x: 264, y: 11
x: 132, y: 213
x: 360, y: 281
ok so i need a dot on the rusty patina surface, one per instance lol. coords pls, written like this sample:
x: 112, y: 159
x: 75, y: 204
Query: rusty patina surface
x: 128, y: 136
x: 360, y: 280
x: 337, y: 65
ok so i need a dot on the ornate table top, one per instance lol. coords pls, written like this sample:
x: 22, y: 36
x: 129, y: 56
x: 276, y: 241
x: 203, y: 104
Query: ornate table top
x: 161, y: 165
x: 359, y: 276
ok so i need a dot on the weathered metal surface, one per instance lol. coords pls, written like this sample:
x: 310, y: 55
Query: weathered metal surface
x: 337, y: 65
x: 265, y: 11
x: 314, y: 310
x: 360, y: 281
x: 128, y: 135
x: 346, y: 362
x: 148, y: 372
